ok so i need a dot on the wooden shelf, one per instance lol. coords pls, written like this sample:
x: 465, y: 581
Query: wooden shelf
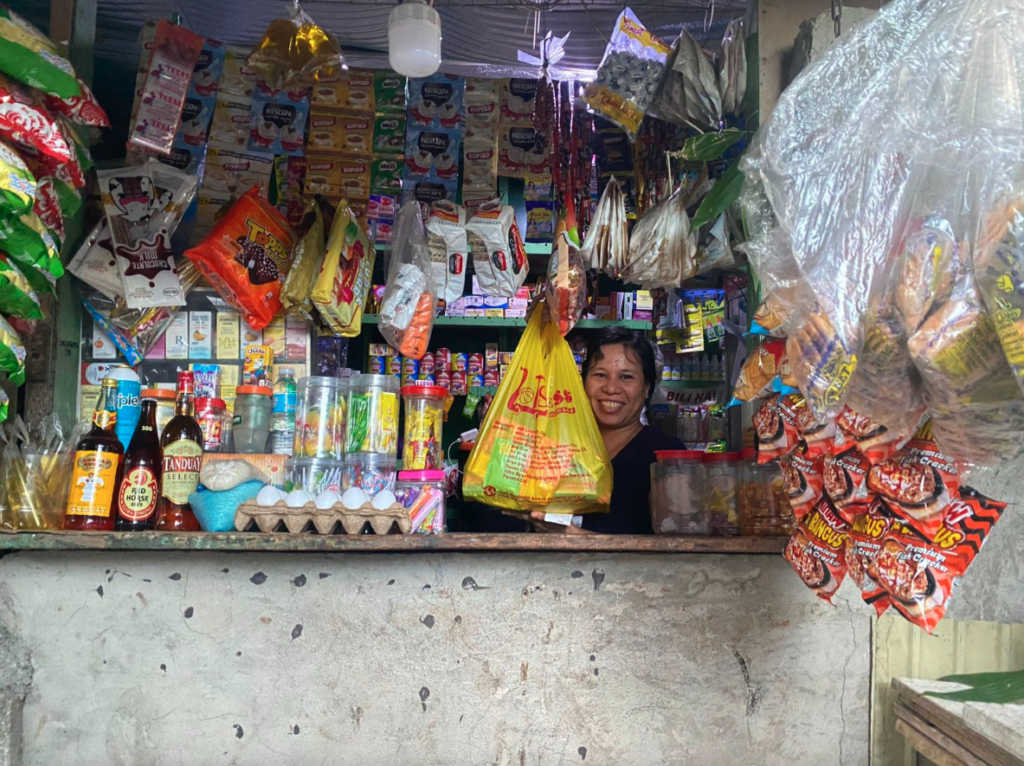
x: 256, y: 541
x: 585, y: 324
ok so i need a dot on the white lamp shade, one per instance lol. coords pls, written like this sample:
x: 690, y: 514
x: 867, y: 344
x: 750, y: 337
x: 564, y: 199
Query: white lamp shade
x: 414, y: 39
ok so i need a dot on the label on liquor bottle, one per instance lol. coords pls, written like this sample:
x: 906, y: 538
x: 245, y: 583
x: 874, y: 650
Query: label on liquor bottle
x: 92, y: 483
x: 137, y: 500
x: 182, y: 460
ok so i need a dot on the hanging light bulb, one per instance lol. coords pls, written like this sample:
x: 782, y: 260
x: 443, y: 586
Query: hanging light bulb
x: 414, y: 39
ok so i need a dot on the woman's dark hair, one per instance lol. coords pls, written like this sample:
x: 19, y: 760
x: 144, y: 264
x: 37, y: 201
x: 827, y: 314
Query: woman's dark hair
x: 636, y: 342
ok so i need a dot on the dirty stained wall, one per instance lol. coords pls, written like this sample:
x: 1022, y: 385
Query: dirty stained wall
x: 489, y: 658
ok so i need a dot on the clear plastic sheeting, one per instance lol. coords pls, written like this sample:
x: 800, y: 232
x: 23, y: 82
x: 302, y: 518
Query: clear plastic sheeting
x: 885, y: 203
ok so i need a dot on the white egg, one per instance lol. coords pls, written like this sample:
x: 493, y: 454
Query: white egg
x: 297, y: 498
x: 327, y: 499
x: 354, y: 498
x: 384, y: 500
x: 269, y: 495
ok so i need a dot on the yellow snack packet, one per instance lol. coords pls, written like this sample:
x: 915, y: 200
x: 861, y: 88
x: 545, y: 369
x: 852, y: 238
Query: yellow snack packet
x: 306, y: 259
x: 343, y: 283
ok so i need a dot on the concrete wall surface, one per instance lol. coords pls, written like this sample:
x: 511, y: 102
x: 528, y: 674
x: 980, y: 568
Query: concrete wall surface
x: 489, y: 658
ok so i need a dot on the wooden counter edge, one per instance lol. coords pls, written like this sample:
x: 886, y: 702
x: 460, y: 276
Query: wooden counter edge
x: 455, y: 541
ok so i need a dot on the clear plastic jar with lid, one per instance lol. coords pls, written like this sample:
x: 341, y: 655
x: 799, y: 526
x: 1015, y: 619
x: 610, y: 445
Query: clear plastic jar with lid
x: 723, y: 481
x: 212, y: 415
x: 373, y: 415
x: 422, y: 494
x: 678, y: 488
x: 320, y: 418
x: 763, y: 505
x: 254, y: 406
x: 422, y: 449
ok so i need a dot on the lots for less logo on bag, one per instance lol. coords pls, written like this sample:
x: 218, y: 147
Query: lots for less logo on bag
x: 531, y: 397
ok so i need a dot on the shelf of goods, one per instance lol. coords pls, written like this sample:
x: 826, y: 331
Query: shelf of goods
x: 690, y: 385
x: 252, y: 541
x: 585, y: 324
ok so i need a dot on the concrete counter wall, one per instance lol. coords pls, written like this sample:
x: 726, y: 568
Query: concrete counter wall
x: 489, y: 658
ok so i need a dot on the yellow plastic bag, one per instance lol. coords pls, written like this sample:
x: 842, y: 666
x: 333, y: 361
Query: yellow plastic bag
x: 539, y: 448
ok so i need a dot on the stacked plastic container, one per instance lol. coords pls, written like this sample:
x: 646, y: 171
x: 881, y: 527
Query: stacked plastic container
x: 321, y: 417
x: 421, y: 483
x: 371, y: 443
x: 763, y: 504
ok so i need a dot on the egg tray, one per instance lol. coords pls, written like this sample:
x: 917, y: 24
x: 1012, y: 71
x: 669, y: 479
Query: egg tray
x: 267, y: 518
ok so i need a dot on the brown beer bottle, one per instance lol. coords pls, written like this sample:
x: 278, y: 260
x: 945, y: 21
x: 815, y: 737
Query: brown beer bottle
x: 182, y: 444
x: 96, y: 475
x: 140, y: 487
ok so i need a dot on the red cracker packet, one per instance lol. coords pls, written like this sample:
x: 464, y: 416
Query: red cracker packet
x: 817, y: 550
x: 863, y: 543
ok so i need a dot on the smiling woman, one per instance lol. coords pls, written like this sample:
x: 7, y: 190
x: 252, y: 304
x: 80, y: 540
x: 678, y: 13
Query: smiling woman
x: 619, y: 379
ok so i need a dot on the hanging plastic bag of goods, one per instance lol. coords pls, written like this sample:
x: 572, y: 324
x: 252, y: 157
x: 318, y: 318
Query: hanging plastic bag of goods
x: 883, y: 198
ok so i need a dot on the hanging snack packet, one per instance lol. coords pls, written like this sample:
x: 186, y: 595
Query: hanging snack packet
x: 817, y: 550
x: 296, y: 52
x: 499, y: 256
x: 817, y: 437
x: 247, y: 256
x: 407, y: 311
x: 629, y: 74
x: 26, y: 241
x: 566, y: 289
x: 143, y: 206
x: 23, y: 122
x: 17, y: 298
x: 874, y: 440
x: 173, y: 57
x: 449, y: 249
x: 309, y: 255
x: 803, y: 478
x: 930, y: 258
x: 26, y: 54
x: 920, y: 576
x: 81, y: 110
x: 759, y: 372
x: 47, y: 207
x: 606, y: 246
x: 821, y: 362
x: 919, y: 483
x: 768, y: 319
x: 95, y: 264
x: 863, y: 544
x: 846, y: 476
x: 343, y: 284
x: 775, y: 426
x: 12, y: 354
x: 17, y: 184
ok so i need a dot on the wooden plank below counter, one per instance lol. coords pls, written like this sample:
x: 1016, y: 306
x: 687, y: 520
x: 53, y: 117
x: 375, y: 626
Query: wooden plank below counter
x: 255, y: 541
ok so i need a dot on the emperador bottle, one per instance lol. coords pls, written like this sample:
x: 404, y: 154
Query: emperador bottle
x: 140, y: 487
x: 99, y: 460
x: 182, y: 444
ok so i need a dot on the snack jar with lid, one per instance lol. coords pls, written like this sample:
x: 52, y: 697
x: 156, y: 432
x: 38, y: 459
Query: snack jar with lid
x: 422, y: 494
x: 213, y: 418
x: 763, y: 505
x: 678, y: 488
x: 369, y: 471
x: 320, y: 417
x: 721, y: 498
x: 373, y: 415
x: 424, y: 419
x: 254, y: 406
x: 312, y: 474
x: 164, y: 399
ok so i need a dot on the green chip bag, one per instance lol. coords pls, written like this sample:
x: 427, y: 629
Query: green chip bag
x: 70, y: 200
x: 12, y: 353
x: 17, y: 184
x: 26, y: 54
x: 17, y: 298
x: 28, y: 244
x: 3, y: 405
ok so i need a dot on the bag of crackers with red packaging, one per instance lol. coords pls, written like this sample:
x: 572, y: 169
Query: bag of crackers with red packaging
x: 846, y: 484
x: 817, y: 550
x: 873, y: 439
x: 863, y: 544
x: 247, y: 256
x: 803, y: 478
x: 918, y: 483
x: 775, y: 426
x: 919, y: 576
x: 817, y: 436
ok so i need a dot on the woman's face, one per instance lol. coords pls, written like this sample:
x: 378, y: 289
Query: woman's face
x: 616, y: 388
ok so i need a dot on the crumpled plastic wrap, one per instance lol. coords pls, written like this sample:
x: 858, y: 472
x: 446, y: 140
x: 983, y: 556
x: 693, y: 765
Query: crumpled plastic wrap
x: 887, y: 179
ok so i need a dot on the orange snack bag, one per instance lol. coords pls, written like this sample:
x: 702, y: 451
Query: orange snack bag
x: 247, y: 256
